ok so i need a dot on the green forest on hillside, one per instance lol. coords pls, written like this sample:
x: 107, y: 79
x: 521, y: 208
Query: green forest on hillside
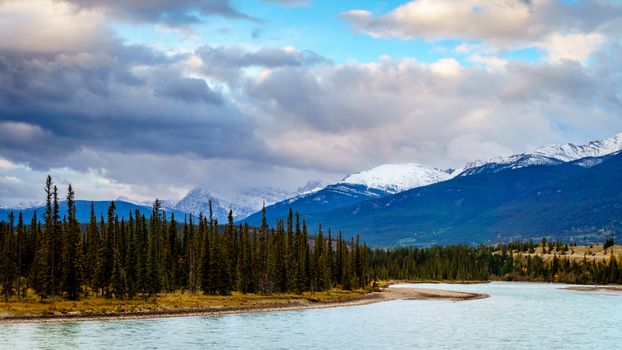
x: 144, y: 257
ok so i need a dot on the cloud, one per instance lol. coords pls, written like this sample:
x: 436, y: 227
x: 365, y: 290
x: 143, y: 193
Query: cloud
x: 499, y: 21
x: 112, y: 97
x: 566, y: 30
x: 19, y: 132
x: 40, y: 26
x: 172, y: 13
x: 578, y: 47
x: 256, y: 33
x: 134, y: 120
x: 171, y: 84
x: 352, y: 116
x: 20, y: 185
x: 488, y: 61
x: 226, y: 62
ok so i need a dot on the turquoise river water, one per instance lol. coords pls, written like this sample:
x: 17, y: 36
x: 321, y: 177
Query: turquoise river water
x: 516, y: 316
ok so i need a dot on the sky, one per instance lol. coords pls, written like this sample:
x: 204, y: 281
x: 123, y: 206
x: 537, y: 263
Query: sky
x: 150, y: 98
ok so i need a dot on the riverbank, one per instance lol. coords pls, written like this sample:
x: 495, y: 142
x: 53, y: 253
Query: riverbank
x: 236, y: 304
x: 392, y: 282
x: 595, y: 288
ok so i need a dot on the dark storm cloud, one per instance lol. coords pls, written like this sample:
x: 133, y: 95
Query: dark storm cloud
x: 173, y: 13
x: 35, y: 78
x: 109, y: 96
x: 119, y: 99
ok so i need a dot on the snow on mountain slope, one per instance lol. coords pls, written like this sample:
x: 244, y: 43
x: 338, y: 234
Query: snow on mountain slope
x: 242, y: 204
x: 547, y: 155
x: 511, y: 162
x: 570, y: 152
x: 394, y: 178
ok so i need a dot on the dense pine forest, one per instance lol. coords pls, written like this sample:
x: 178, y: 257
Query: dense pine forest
x: 146, y: 256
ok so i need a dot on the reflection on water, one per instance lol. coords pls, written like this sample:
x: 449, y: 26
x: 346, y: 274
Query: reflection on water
x: 516, y: 316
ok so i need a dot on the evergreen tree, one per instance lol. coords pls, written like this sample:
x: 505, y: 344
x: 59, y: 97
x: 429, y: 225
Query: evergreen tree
x: 207, y: 279
x: 55, y: 261
x: 143, y: 246
x: 154, y: 270
x: 92, y: 245
x: 23, y: 257
x: 119, y: 277
x: 132, y: 258
x: 193, y: 260
x: 8, y: 259
x: 73, y: 258
x: 244, y: 268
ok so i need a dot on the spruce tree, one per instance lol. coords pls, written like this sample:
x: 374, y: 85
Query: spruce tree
x: 72, y: 258
x: 193, y: 260
x: 143, y: 246
x: 8, y: 259
x: 132, y: 258
x: 119, y: 277
x: 56, y: 249
x: 154, y: 269
x: 92, y: 246
x: 244, y: 269
x: 41, y: 274
x: 22, y: 256
x: 206, y: 263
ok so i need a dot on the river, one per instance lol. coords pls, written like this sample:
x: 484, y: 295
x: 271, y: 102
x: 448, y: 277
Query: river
x: 515, y: 316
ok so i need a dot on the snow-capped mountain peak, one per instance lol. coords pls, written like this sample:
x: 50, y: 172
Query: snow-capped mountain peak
x: 547, y: 155
x: 394, y: 178
x: 242, y: 204
x: 569, y: 152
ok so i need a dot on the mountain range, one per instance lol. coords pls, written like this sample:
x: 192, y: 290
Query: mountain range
x: 547, y: 155
x: 83, y: 210
x: 242, y: 204
x: 548, y: 192
x: 370, y: 184
x: 566, y: 191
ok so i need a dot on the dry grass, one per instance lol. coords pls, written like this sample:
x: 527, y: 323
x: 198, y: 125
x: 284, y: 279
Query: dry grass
x: 578, y: 252
x: 171, y: 302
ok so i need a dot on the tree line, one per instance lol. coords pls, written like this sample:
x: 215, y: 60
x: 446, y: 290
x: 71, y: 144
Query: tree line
x: 514, y: 261
x: 146, y: 256
x: 143, y: 256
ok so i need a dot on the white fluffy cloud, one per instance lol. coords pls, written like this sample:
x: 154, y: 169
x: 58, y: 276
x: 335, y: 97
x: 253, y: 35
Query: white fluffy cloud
x: 49, y: 27
x: 577, y: 47
x: 569, y: 31
x: 499, y: 20
x: 355, y: 115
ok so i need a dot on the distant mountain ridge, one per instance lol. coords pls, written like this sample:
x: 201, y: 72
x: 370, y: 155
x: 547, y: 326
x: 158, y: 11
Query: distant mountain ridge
x: 546, y: 155
x: 373, y: 193
x: 567, y: 201
x: 83, y: 211
x: 247, y: 202
x: 377, y: 182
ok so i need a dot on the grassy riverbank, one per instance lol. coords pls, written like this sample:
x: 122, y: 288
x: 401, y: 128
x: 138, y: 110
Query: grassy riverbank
x: 178, y: 304
x: 172, y: 302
